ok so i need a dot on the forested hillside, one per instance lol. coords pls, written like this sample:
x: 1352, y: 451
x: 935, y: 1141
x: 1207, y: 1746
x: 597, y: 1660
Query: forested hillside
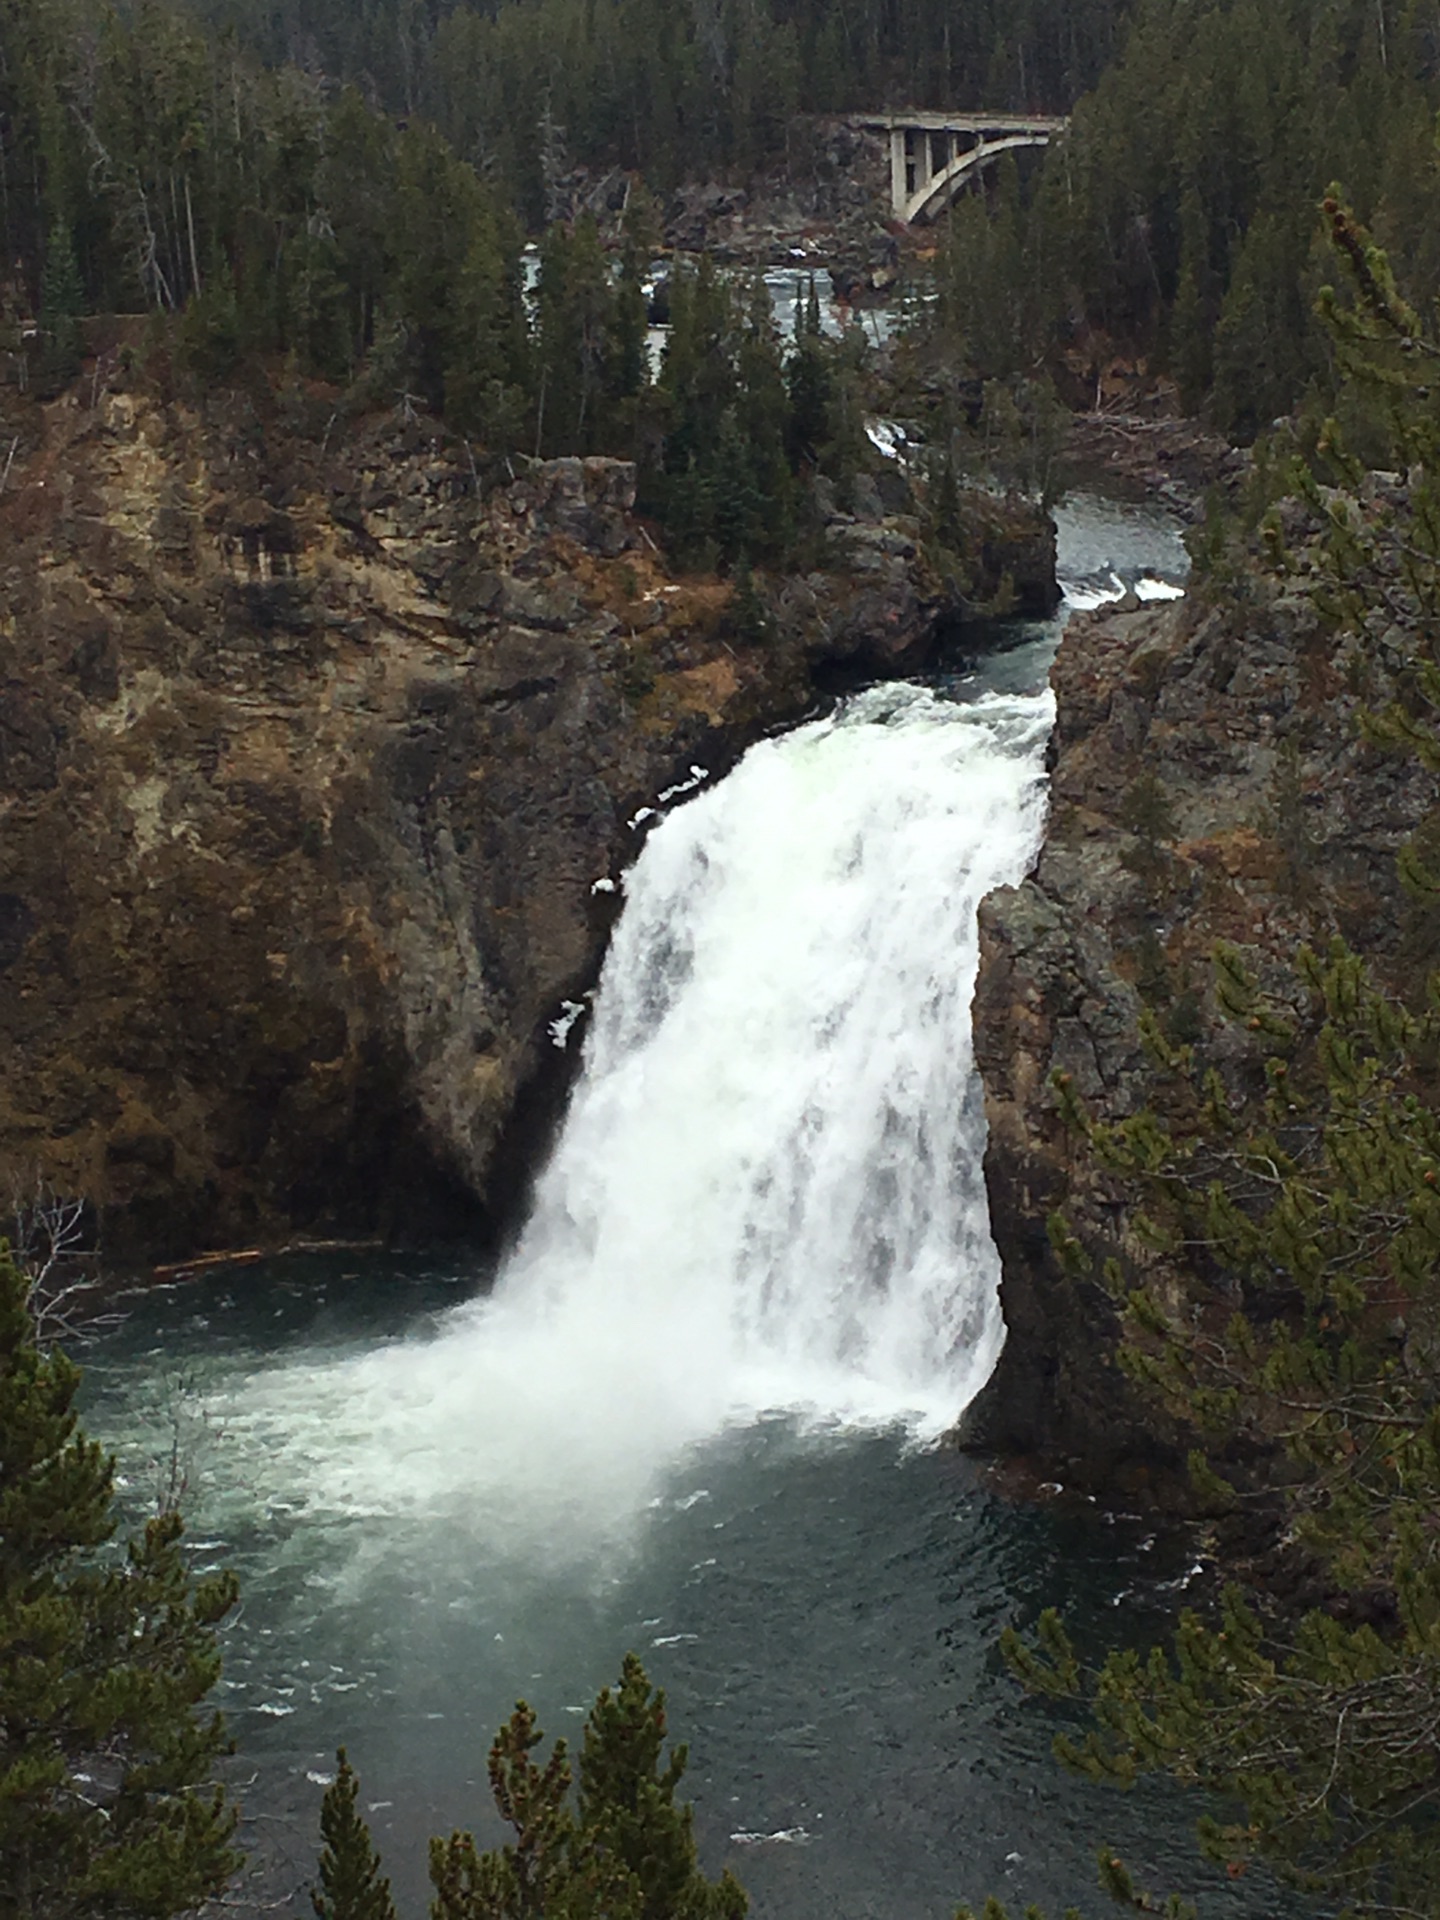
x: 678, y: 89
x: 102, y: 105
x: 1179, y: 217
x: 350, y: 185
x: 262, y: 215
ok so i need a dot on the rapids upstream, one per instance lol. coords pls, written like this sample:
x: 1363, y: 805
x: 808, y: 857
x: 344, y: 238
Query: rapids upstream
x: 691, y: 1414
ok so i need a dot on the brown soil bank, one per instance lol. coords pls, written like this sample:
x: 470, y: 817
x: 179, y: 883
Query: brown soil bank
x: 312, y: 746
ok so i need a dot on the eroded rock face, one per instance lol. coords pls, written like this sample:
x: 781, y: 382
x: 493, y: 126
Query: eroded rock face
x: 308, y: 761
x: 314, y: 740
x: 1269, y: 822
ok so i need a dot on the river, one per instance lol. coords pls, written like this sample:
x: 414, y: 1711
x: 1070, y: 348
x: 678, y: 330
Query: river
x: 694, y: 1412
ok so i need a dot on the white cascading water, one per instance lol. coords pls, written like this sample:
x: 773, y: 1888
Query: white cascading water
x: 767, y: 1193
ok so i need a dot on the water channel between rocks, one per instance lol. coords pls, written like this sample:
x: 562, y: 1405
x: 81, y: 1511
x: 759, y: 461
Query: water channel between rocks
x: 691, y: 1417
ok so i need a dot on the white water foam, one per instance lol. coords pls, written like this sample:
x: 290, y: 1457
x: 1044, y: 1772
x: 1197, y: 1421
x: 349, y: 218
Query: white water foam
x: 767, y: 1193
x: 1082, y: 596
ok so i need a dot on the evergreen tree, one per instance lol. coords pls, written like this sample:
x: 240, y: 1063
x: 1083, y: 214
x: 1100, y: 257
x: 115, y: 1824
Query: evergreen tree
x: 576, y: 348
x: 760, y: 407
x: 1278, y: 1266
x: 627, y: 1802
x: 351, y: 1885
x: 809, y: 387
x: 622, y: 1850
x: 1263, y: 347
x: 543, y: 1871
x: 1315, y: 1210
x: 354, y: 186
x: 108, y: 1805
x: 1192, y: 320
x: 62, y: 301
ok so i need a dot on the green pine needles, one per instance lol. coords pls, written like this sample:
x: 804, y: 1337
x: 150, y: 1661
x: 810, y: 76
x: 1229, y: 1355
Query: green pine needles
x: 619, y: 1849
x: 109, y: 1808
x: 351, y: 1886
x: 62, y: 302
x: 1313, y: 1216
x: 108, y: 1801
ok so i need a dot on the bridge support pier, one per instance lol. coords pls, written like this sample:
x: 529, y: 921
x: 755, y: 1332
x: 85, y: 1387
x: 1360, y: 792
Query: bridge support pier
x: 934, y: 155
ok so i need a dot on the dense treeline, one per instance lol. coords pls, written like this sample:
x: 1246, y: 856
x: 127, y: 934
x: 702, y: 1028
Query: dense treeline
x: 260, y: 215
x: 677, y: 89
x: 118, y: 120
x: 150, y: 160
x: 1179, y: 216
x: 149, y: 169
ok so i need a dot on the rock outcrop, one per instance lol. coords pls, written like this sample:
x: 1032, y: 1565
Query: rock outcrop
x: 865, y: 612
x: 827, y: 207
x: 1209, y: 781
x: 314, y: 741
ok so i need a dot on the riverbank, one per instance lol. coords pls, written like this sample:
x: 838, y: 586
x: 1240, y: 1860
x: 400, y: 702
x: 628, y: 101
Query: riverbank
x: 1167, y: 460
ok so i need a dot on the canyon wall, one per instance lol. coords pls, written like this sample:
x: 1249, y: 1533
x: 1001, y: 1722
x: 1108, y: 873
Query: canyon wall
x: 1210, y: 781
x: 315, y: 737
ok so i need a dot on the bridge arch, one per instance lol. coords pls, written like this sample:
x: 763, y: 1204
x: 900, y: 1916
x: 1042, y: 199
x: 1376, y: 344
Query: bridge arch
x: 934, y: 155
x: 941, y: 188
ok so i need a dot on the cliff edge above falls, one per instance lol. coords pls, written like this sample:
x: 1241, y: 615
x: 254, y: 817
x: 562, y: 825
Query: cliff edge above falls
x: 312, y: 747
x: 1229, y: 722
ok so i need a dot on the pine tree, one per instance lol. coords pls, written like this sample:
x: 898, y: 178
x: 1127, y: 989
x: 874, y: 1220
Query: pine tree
x: 351, y: 1885
x: 1277, y: 1260
x: 108, y: 1805
x: 543, y: 1872
x: 577, y: 302
x: 1315, y: 1209
x: 1192, y: 319
x: 627, y: 1802
x: 62, y: 301
x: 622, y: 1849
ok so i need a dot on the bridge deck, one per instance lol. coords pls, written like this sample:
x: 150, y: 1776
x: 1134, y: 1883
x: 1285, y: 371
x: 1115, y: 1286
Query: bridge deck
x: 923, y: 119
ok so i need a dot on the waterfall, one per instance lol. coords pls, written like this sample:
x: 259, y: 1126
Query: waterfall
x: 767, y: 1193
x: 768, y: 1188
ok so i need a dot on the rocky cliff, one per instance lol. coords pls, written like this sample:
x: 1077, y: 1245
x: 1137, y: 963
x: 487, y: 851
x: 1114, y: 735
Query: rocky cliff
x: 314, y: 741
x: 1209, y: 781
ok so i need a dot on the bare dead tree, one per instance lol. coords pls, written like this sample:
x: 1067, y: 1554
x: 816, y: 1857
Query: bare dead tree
x: 52, y: 1245
x: 135, y: 211
x: 178, y: 1460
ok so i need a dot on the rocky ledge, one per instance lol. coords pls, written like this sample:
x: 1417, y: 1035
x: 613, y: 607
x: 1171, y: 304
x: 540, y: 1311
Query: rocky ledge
x: 314, y: 745
x: 1209, y: 781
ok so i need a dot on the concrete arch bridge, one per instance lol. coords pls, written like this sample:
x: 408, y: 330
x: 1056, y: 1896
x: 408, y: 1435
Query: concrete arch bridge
x: 933, y: 156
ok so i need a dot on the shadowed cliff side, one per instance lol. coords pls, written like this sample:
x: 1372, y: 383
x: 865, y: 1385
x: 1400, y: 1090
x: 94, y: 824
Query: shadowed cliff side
x: 1209, y: 782
x: 312, y: 746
